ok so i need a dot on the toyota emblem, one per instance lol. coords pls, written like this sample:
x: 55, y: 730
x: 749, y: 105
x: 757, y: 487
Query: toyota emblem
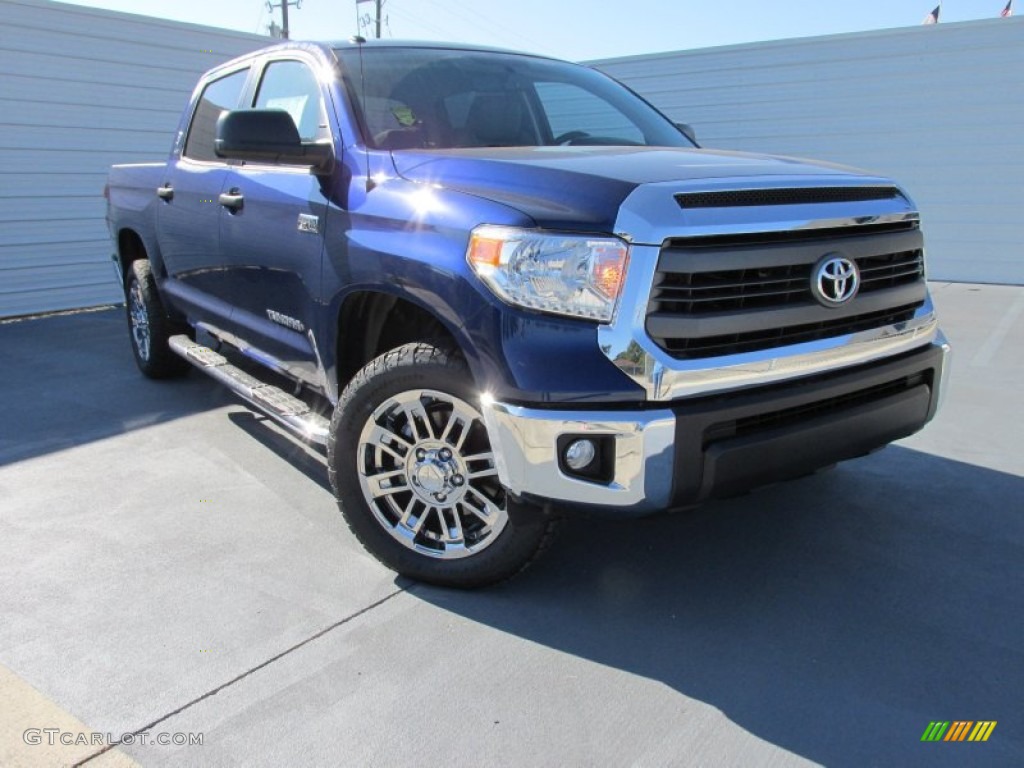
x: 835, y: 280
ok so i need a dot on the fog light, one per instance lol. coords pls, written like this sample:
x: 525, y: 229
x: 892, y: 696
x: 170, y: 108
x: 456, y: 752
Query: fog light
x: 579, y: 454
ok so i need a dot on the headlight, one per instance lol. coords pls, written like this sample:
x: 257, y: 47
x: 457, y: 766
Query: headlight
x: 566, y: 274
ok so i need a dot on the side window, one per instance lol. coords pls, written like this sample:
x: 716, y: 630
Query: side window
x: 218, y: 97
x: 291, y: 86
x: 571, y: 108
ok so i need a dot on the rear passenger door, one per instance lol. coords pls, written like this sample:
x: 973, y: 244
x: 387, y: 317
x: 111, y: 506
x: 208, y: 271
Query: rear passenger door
x: 273, y: 242
x: 189, y: 214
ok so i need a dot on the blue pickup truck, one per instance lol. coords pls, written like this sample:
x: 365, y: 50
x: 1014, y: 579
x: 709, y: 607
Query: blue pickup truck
x: 500, y: 288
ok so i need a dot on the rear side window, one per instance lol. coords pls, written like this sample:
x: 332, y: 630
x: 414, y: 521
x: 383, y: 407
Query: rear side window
x: 218, y: 97
x: 292, y: 86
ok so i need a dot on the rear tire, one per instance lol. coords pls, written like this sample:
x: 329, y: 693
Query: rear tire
x: 149, y: 327
x: 414, y: 475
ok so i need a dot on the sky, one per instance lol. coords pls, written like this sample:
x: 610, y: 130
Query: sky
x: 571, y: 29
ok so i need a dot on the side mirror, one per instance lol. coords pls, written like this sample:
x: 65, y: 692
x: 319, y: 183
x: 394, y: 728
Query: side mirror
x: 687, y: 130
x: 268, y: 136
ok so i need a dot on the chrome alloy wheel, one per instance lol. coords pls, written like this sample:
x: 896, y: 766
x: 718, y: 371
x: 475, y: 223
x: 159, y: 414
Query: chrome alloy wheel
x: 427, y: 471
x: 139, y: 320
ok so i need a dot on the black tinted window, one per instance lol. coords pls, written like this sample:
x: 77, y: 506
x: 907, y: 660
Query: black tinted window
x: 292, y: 86
x: 424, y: 97
x: 218, y: 97
x: 572, y: 111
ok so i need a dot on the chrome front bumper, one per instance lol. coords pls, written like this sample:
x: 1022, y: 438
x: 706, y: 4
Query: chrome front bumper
x: 524, y: 441
x: 675, y: 456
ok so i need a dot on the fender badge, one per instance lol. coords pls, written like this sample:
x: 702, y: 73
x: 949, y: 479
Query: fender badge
x: 309, y: 223
x: 287, y: 322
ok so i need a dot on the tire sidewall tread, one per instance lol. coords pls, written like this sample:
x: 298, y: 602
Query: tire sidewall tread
x: 420, y: 366
x: 162, y: 362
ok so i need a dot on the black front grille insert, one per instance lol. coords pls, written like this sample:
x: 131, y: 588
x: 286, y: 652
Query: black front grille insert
x: 694, y: 293
x: 751, y: 292
x: 785, y: 196
x: 890, y: 270
x: 752, y: 341
x: 805, y: 412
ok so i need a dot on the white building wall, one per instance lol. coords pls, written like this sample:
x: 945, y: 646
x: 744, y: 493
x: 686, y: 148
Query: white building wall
x: 81, y: 89
x: 939, y: 108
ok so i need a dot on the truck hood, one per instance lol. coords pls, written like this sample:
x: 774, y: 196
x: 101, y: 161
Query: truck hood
x: 583, y: 187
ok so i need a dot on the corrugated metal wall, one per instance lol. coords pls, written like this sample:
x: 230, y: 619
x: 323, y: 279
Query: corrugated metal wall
x: 81, y: 89
x: 939, y: 108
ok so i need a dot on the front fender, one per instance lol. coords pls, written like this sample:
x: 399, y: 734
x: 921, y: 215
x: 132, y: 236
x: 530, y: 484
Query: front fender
x: 409, y: 240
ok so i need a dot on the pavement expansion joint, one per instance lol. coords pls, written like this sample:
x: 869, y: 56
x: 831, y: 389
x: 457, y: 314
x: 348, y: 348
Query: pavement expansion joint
x: 247, y: 673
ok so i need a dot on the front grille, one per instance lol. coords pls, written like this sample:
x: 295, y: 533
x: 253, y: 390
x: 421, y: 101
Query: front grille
x: 785, y: 196
x: 752, y: 341
x: 890, y: 270
x: 735, y: 293
x: 692, y: 293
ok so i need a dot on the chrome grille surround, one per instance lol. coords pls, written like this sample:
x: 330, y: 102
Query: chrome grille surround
x: 651, y: 216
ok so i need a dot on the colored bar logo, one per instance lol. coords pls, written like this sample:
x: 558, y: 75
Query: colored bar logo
x: 959, y: 730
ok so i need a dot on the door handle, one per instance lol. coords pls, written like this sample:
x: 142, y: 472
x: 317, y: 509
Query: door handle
x: 166, y: 192
x: 232, y: 200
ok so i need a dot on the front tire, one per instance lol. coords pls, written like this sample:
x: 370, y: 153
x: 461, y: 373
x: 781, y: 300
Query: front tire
x: 414, y: 474
x: 148, y: 325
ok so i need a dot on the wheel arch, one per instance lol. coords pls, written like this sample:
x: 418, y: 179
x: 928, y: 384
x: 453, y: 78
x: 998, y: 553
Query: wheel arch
x: 385, y: 320
x: 132, y: 245
x: 130, y: 248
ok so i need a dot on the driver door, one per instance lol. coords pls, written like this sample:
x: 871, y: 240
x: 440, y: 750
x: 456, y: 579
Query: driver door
x: 272, y: 243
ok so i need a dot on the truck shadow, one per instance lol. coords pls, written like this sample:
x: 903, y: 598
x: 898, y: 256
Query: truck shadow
x: 309, y: 459
x: 834, y: 617
x: 70, y: 380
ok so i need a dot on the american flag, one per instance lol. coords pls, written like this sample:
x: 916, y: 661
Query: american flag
x: 1008, y: 10
x: 933, y: 17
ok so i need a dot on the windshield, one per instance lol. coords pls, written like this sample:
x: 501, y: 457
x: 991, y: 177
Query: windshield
x: 445, y: 99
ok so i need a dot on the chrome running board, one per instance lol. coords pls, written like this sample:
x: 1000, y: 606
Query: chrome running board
x: 288, y: 411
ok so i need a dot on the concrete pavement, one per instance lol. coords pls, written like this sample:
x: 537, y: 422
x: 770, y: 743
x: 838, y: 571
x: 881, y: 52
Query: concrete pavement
x: 172, y: 563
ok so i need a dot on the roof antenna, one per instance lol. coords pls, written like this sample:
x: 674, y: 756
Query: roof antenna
x: 360, y: 41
